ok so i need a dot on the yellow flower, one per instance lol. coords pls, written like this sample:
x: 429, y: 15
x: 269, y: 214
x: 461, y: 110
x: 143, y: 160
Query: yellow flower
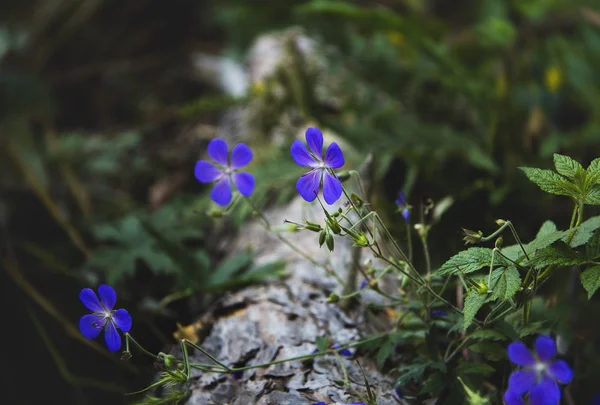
x: 553, y: 79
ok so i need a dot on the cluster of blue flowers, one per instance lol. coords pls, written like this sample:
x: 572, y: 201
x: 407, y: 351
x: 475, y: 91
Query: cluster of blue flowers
x: 535, y: 383
x: 224, y: 171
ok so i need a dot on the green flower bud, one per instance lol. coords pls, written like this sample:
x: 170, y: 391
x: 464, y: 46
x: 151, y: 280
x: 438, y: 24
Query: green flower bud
x: 360, y: 239
x: 343, y: 176
x: 329, y: 242
x: 313, y: 227
x: 322, y: 236
x: 333, y: 298
x: 472, y: 237
x: 498, y: 243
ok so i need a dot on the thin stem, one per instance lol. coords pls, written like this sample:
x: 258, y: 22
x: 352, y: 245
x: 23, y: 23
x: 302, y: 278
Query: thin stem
x: 139, y: 346
x: 291, y: 245
x: 207, y: 354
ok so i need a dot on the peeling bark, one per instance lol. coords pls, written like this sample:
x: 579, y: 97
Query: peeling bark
x: 264, y: 323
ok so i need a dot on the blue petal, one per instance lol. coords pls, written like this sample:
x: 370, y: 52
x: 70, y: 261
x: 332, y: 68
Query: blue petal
x: 241, y: 155
x: 560, y: 371
x: 545, y: 393
x: 334, y: 158
x: 308, y: 185
x: 90, y: 300
x: 112, y: 337
x: 122, y: 319
x: 401, y: 201
x: 244, y: 183
x: 319, y: 403
x: 345, y: 352
x: 91, y: 325
x: 301, y: 156
x: 217, y: 149
x: 406, y: 215
x: 108, y: 296
x: 314, y: 140
x: 512, y: 398
x: 519, y: 354
x: 521, y: 381
x: 206, y: 172
x: 332, y: 188
x: 545, y: 348
x: 221, y: 192
x: 596, y: 399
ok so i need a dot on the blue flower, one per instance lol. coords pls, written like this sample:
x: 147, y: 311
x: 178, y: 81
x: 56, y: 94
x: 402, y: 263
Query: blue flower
x: 103, y: 316
x: 401, y: 203
x: 342, y: 352
x: 596, y: 399
x: 325, y: 403
x: 540, y: 373
x: 363, y: 284
x: 225, y: 171
x: 309, y: 184
x: 439, y: 312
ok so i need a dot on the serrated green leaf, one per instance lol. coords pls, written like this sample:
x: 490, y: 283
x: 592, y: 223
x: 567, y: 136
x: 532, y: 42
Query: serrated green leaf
x: 531, y: 329
x: 413, y: 372
x: 487, y: 334
x: 384, y: 353
x: 434, y: 384
x: 473, y: 303
x: 594, y: 166
x: 550, y: 181
x: 593, y: 196
x: 467, y: 261
x: 505, y: 283
x: 566, y: 165
x: 544, y: 241
x: 490, y: 350
x: 584, y: 231
x: 592, y: 248
x: 590, y: 280
x: 558, y: 254
x: 547, y: 228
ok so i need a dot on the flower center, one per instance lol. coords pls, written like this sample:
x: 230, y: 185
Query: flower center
x: 540, y: 368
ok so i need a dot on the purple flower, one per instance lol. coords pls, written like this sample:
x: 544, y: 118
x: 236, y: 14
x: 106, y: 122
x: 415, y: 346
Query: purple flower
x: 401, y: 203
x: 363, y: 284
x: 225, y: 171
x: 103, y: 316
x: 342, y: 352
x: 439, y: 312
x: 540, y: 373
x: 596, y: 399
x: 399, y: 392
x: 308, y: 185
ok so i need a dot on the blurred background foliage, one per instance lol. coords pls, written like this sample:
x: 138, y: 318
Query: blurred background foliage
x: 105, y: 106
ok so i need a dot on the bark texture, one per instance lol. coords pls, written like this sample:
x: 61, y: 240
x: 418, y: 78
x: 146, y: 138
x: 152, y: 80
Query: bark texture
x: 270, y: 322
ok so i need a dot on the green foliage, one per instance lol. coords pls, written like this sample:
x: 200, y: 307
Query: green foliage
x: 473, y: 303
x: 505, y: 283
x: 467, y: 261
x: 585, y: 231
x: 590, y: 280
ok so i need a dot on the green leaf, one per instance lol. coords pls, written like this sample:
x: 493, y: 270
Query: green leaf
x: 490, y: 350
x: 593, y: 196
x: 550, y: 181
x: 590, y: 280
x: 469, y: 367
x: 592, y: 248
x: 413, y: 372
x: 228, y: 269
x: 544, y: 239
x: 467, y: 261
x: 322, y: 343
x: 559, y: 254
x: 384, y: 353
x: 584, y: 231
x: 566, y: 166
x: 487, y: 334
x: 594, y: 166
x: 473, y: 302
x: 505, y: 283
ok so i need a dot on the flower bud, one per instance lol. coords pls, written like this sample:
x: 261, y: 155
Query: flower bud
x: 498, y: 244
x: 335, y: 227
x: 215, y: 213
x: 322, y: 236
x: 313, y: 227
x: 333, y: 298
x: 360, y: 239
x: 343, y: 176
x: 472, y: 237
x: 126, y: 355
x: 500, y: 222
x: 329, y: 242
